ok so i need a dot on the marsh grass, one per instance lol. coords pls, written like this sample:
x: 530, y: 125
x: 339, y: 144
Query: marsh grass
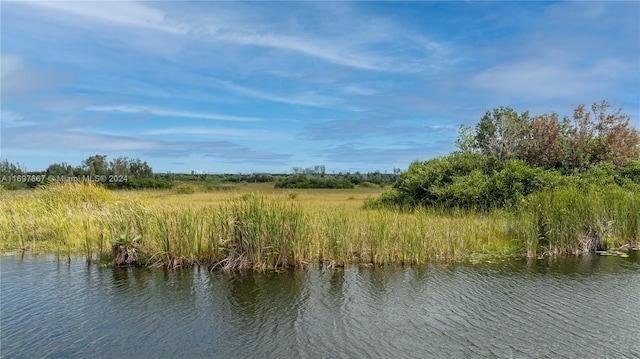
x: 574, y: 220
x: 53, y: 219
x: 259, y: 229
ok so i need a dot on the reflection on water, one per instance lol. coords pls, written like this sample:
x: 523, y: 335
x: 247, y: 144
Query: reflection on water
x: 587, y: 307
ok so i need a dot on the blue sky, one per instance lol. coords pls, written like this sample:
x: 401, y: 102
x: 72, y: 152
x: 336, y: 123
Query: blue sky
x: 227, y: 87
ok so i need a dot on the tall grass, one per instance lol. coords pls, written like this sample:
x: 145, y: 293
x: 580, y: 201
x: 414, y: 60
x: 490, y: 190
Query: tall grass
x: 54, y: 218
x: 261, y: 231
x: 574, y: 220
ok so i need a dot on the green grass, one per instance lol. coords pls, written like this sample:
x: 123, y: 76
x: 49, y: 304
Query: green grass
x: 573, y: 220
x: 257, y: 227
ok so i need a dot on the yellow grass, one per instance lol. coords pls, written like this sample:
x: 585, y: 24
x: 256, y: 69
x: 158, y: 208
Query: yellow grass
x: 252, y: 226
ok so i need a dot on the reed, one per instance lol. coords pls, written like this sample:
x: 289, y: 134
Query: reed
x: 574, y: 220
x: 260, y: 229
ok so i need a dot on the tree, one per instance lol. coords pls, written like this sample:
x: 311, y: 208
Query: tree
x: 119, y: 166
x: 604, y: 134
x: 140, y: 169
x: 95, y: 165
x: 617, y: 141
x: 466, y: 141
x: 9, y: 169
x: 60, y: 169
x: 501, y: 133
x: 543, y: 141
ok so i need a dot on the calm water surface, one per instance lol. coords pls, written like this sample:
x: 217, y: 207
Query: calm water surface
x: 587, y: 307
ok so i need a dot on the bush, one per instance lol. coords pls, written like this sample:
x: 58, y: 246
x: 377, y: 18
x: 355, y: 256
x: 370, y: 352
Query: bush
x: 185, y: 189
x: 459, y: 179
x: 631, y: 171
x: 302, y: 181
x: 476, y: 181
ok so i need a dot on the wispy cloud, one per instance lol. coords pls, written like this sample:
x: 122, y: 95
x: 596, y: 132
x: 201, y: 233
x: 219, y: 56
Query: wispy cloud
x: 306, y: 99
x: 389, y: 126
x: 326, y: 51
x: 120, y: 13
x: 363, y: 49
x: 19, y: 78
x: 156, y: 111
x: 536, y: 79
x: 92, y: 141
x: 361, y: 154
x: 12, y: 119
x: 263, y: 135
x: 49, y: 138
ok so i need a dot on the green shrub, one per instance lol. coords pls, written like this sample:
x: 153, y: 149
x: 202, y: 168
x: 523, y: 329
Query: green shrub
x: 476, y: 181
x: 184, y: 189
x: 631, y: 172
x: 311, y: 181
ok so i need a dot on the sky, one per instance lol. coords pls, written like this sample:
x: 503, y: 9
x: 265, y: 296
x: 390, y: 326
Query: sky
x: 253, y: 87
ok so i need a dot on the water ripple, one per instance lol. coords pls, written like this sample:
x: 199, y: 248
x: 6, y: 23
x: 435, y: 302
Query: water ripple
x: 576, y: 307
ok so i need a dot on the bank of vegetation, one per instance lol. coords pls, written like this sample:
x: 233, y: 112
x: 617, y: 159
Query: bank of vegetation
x: 243, y: 230
x: 572, y: 184
x: 517, y: 186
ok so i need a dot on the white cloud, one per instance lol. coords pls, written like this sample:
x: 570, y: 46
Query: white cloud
x: 331, y: 52
x: 10, y: 65
x: 306, y: 99
x: 262, y: 135
x: 13, y: 119
x: 344, y: 43
x: 47, y: 138
x: 545, y: 78
x: 358, y: 90
x: 17, y: 77
x: 137, y: 109
x: 117, y: 12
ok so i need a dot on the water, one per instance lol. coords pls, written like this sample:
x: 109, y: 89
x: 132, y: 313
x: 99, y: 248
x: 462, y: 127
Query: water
x: 587, y: 307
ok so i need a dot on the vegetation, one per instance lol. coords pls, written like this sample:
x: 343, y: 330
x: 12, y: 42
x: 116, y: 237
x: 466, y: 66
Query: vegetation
x: 567, y: 187
x: 510, y: 156
x: 310, y: 181
x: 251, y: 229
x: 340, y: 180
x: 121, y: 173
x: 260, y: 227
x: 126, y: 173
x: 476, y: 181
x: 519, y: 185
x: 575, y: 220
x: 603, y: 134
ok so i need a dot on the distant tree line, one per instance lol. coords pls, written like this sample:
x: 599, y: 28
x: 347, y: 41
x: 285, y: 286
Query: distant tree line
x: 356, y: 178
x: 128, y: 173
x: 122, y: 172
x: 342, y: 180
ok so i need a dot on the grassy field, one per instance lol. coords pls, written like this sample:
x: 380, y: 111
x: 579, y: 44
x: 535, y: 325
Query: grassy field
x: 254, y: 226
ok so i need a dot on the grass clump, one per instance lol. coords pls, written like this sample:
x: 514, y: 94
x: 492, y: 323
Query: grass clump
x: 185, y: 189
x: 46, y: 218
x: 574, y: 220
